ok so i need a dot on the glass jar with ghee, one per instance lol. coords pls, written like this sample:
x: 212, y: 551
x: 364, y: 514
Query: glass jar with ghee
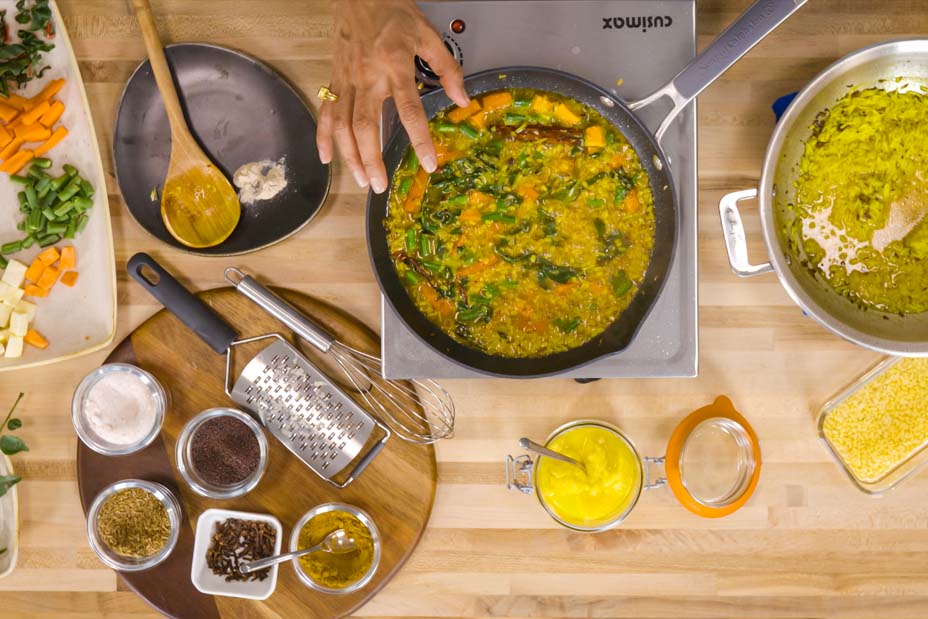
x: 712, y: 464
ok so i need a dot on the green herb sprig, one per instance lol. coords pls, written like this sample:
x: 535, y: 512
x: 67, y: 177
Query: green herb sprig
x: 23, y: 61
x: 10, y: 445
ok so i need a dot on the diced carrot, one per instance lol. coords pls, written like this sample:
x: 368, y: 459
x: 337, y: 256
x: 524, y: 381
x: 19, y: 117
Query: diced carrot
x: 14, y: 100
x: 478, y: 198
x: 565, y: 115
x: 594, y: 138
x: 5, y: 137
x: 461, y: 113
x: 444, y: 155
x: 51, y: 89
x: 69, y: 278
x: 631, y: 202
x: 34, y: 338
x: 526, y: 192
x: 10, y: 149
x: 35, y: 270
x: 470, y: 216
x: 49, y: 256
x: 618, y: 160
x: 541, y: 105
x: 442, y: 306
x: 32, y: 116
x: 497, y: 100
x: 33, y: 133
x: 478, y: 121
x: 50, y: 117
x: 48, y: 278
x: 17, y: 162
x: 68, y: 258
x: 419, y: 184
x: 59, y: 134
x: 8, y: 112
x: 477, y: 267
x: 34, y: 291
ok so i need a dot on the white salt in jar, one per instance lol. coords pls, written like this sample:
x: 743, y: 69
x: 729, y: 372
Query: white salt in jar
x: 118, y: 409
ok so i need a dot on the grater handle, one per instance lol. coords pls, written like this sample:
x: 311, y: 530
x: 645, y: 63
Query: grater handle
x: 198, y: 317
x: 367, y: 459
x: 280, y: 309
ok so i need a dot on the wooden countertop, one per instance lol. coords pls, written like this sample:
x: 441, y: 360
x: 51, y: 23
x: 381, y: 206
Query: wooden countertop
x: 807, y: 545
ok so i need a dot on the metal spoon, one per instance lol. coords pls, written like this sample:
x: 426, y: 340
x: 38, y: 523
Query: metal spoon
x: 335, y: 542
x: 544, y: 451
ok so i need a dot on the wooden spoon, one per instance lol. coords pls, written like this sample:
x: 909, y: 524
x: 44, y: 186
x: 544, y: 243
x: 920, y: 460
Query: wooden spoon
x: 198, y: 204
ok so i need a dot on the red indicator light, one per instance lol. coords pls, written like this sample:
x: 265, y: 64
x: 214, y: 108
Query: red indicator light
x: 457, y: 26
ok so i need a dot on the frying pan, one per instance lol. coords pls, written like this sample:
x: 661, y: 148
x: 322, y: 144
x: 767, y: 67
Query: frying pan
x: 749, y: 29
x: 876, y: 66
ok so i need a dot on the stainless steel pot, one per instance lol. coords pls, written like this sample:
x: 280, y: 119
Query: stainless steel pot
x: 875, y: 66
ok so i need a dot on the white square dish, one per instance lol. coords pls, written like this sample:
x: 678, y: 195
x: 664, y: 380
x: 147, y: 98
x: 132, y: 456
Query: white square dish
x: 207, y: 582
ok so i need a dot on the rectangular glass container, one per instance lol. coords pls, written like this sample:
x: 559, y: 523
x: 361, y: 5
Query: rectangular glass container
x: 905, y: 466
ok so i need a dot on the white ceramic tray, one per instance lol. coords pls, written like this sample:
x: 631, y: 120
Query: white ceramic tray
x: 9, y: 522
x: 82, y: 319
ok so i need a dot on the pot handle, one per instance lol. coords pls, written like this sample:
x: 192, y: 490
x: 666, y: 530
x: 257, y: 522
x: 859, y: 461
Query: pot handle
x: 735, y: 240
x: 519, y: 473
x: 757, y: 22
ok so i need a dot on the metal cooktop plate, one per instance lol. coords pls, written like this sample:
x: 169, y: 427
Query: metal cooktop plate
x: 611, y: 43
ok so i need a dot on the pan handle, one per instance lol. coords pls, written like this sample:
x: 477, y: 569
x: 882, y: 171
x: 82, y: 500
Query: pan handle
x: 198, y: 317
x: 757, y: 22
x: 735, y: 240
x: 280, y: 309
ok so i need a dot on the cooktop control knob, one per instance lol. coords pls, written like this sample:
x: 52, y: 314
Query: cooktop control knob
x: 424, y: 73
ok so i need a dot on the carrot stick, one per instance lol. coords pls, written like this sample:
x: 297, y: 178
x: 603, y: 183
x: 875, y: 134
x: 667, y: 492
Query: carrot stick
x: 497, y: 100
x: 35, y: 270
x: 33, y: 133
x: 50, y: 117
x: 8, y: 112
x: 59, y: 134
x: 10, y: 149
x: 14, y: 100
x: 34, y: 291
x: 32, y: 116
x: 34, y: 338
x: 460, y: 113
x: 51, y: 89
x: 17, y: 162
x: 5, y: 137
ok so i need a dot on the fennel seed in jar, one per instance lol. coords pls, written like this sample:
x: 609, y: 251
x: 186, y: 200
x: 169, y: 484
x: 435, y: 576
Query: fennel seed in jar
x: 134, y: 523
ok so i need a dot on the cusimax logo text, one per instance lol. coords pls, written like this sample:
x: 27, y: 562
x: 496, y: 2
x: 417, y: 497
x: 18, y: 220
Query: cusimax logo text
x: 634, y: 23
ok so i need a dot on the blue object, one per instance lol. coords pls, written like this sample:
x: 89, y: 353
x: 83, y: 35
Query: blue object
x: 779, y: 106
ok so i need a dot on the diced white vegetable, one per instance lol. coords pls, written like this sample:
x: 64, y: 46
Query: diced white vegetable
x: 15, y: 273
x: 10, y: 295
x: 14, y: 347
x: 19, y: 324
x: 5, y: 312
x: 25, y: 307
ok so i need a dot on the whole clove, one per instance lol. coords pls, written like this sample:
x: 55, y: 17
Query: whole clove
x: 237, y: 541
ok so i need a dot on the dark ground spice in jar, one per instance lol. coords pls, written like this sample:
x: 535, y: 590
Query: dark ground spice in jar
x: 224, y: 451
x: 240, y: 541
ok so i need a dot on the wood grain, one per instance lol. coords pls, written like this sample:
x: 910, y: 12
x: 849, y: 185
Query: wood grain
x: 808, y: 545
x: 397, y: 489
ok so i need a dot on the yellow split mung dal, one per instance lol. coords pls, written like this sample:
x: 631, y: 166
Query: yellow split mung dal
x: 884, y: 423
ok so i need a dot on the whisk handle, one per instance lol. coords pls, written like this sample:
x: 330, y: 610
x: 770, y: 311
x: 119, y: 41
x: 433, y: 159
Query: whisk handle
x: 270, y: 302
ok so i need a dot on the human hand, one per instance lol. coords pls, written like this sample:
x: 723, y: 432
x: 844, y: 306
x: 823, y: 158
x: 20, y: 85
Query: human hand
x: 375, y: 44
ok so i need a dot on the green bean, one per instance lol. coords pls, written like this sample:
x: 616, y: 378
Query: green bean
x: 49, y: 213
x: 43, y: 186
x: 43, y: 162
x: 87, y: 189
x: 458, y: 200
x: 522, y: 102
x: 34, y: 220
x: 431, y: 265
x: 20, y: 180
x: 82, y: 222
x: 513, y: 119
x: 49, y: 239
x: 21, y: 196
x: 64, y: 208
x: 59, y: 182
x: 69, y: 169
x: 31, y: 199
x: 3, y: 262
x: 595, y: 202
x: 471, y: 314
x: 68, y: 192
x: 447, y: 127
x: 21, y: 226
x: 425, y: 245
x: 72, y: 228
x: 405, y: 185
x: 56, y: 228
x: 28, y: 241
x: 412, y: 161
x: 411, y: 242
x: 501, y: 217
x: 11, y: 248
x: 412, y: 277
x: 468, y: 131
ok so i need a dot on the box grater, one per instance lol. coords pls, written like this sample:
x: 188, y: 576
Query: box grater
x: 294, y: 400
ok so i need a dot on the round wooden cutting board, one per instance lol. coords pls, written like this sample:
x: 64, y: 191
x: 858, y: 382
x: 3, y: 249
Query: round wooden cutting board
x: 397, y: 489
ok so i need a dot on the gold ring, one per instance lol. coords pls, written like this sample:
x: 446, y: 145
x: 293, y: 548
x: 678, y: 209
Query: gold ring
x: 326, y: 94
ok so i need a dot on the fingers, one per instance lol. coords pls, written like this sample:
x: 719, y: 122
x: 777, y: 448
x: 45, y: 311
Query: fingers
x: 432, y: 49
x: 409, y: 109
x: 367, y: 135
x: 342, y: 111
x: 324, y: 133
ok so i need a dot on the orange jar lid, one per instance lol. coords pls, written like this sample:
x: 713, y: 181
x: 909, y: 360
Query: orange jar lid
x: 713, y: 460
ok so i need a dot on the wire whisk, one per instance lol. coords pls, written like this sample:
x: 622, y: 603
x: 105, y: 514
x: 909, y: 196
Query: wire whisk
x: 417, y: 411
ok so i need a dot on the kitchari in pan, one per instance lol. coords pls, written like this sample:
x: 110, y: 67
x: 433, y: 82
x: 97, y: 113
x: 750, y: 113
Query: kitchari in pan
x: 536, y: 230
